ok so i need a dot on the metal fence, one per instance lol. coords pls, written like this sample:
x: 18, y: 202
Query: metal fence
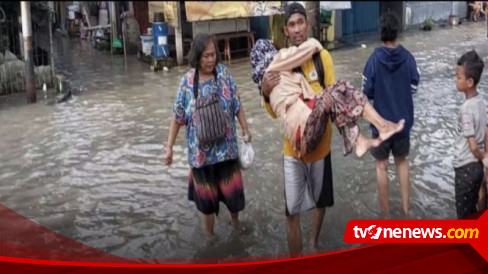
x: 11, y: 55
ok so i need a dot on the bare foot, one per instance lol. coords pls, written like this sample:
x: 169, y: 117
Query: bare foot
x: 210, y: 240
x: 234, y: 223
x: 389, y: 128
x: 364, y: 144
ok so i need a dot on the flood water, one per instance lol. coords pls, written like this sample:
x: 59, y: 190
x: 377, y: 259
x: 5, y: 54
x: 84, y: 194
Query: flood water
x: 92, y: 168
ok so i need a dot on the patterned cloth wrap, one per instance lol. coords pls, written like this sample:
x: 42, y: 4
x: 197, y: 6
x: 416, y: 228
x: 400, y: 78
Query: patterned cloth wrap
x: 348, y: 107
x: 261, y: 56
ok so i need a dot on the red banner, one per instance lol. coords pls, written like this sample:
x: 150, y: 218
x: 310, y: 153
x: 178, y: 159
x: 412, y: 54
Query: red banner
x: 29, y: 247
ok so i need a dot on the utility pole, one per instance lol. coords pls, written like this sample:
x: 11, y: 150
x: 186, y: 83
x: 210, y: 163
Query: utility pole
x: 30, y: 87
x: 51, y: 42
x: 112, y: 7
x: 312, y: 8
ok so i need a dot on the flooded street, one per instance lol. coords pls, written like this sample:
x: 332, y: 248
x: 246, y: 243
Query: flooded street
x: 92, y: 168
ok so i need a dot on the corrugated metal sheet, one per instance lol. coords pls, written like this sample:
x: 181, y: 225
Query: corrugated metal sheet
x: 362, y: 17
x: 422, y: 10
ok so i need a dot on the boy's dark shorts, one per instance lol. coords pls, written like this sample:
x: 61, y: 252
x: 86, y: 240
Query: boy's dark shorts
x: 467, y: 181
x: 399, y: 148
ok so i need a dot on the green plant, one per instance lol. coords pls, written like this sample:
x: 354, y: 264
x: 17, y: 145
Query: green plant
x: 428, y: 24
x: 325, y: 16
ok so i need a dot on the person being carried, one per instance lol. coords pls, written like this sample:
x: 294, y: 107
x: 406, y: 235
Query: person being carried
x: 303, y: 113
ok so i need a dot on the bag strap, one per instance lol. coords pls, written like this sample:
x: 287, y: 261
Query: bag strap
x: 319, y: 68
x: 195, y: 81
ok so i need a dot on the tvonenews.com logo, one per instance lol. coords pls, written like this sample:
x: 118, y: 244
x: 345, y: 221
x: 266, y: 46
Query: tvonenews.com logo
x: 376, y: 232
x: 467, y: 231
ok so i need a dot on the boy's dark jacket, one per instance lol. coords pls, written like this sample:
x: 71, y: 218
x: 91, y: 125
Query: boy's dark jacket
x: 389, y: 78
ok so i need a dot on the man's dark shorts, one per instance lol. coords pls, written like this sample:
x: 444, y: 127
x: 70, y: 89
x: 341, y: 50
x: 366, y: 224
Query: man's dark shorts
x: 399, y: 147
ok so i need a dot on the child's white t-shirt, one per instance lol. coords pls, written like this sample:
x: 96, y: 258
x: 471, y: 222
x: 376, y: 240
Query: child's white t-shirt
x: 472, y: 123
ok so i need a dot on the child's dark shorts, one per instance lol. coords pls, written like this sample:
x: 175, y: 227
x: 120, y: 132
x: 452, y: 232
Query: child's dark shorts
x: 467, y: 181
x: 398, y: 147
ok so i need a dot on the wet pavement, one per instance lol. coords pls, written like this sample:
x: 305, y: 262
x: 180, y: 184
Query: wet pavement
x: 92, y: 168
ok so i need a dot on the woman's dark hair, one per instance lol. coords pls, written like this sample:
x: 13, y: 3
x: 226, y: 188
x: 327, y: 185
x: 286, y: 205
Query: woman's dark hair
x: 198, y: 46
x: 389, y: 25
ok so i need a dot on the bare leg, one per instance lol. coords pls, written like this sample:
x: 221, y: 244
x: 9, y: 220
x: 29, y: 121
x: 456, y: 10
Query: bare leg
x: 482, y: 196
x: 385, y: 127
x: 234, y: 220
x: 404, y: 180
x: 294, y: 234
x: 364, y: 144
x: 208, y: 221
x: 318, y: 218
x: 382, y: 177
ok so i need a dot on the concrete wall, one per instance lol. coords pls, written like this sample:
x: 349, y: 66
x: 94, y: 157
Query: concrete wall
x: 422, y: 10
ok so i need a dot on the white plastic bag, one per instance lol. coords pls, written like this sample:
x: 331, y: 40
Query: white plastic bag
x: 246, y: 155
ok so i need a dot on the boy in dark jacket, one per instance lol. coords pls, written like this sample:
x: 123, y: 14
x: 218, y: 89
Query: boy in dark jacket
x: 389, y: 78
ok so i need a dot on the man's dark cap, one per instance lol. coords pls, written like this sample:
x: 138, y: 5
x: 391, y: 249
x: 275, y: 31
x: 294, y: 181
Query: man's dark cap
x: 293, y: 8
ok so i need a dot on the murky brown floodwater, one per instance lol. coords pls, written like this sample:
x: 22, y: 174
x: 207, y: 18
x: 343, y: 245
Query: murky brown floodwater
x: 92, y: 168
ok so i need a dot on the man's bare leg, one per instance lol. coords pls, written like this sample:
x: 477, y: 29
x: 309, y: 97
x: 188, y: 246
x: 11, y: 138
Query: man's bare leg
x: 382, y: 177
x: 317, y: 220
x: 294, y: 234
x: 404, y: 180
x: 385, y: 128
